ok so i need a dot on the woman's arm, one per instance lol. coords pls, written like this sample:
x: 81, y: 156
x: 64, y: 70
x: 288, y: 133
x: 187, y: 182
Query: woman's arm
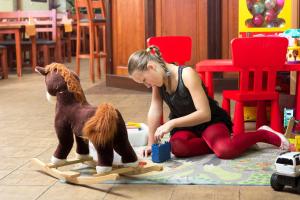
x: 154, y: 114
x: 154, y: 117
x: 202, y: 113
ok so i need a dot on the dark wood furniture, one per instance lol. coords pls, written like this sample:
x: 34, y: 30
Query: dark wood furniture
x: 3, y: 66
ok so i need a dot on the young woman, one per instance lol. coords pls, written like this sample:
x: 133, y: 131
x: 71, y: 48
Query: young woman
x: 197, y: 124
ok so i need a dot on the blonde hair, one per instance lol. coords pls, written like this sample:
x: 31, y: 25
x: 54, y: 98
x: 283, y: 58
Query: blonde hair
x: 139, y: 59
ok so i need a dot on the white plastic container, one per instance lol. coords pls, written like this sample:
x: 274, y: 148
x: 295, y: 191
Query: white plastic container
x: 137, y: 138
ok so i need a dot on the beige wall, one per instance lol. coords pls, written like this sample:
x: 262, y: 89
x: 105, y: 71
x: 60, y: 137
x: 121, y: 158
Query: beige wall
x: 8, y: 5
x: 30, y: 5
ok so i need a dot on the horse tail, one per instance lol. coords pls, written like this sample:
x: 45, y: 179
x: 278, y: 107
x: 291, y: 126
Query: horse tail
x: 101, y: 128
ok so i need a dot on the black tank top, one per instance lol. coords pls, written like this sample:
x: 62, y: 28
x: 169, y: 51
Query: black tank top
x: 181, y: 104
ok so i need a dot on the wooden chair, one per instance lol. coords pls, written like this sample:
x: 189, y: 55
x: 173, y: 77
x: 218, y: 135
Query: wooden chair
x: 46, y: 33
x: 100, y: 5
x: 257, y: 57
x: 92, y: 24
x: 83, y: 37
x: 4, y: 67
x: 7, y: 41
x: 10, y: 17
x: 64, y: 37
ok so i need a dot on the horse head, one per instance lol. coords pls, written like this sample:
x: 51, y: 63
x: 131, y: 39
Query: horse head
x: 61, y: 81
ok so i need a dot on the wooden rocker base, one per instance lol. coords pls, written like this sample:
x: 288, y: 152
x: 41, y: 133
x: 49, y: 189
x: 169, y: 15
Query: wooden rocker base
x: 75, y: 178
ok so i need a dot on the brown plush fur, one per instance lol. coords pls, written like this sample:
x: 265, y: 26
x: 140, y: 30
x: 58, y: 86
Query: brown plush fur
x: 76, y: 119
x: 101, y: 128
x: 72, y: 82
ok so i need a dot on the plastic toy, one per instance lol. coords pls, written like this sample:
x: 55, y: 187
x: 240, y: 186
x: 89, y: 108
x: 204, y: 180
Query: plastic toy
x: 293, y: 55
x: 264, y: 16
x: 75, y: 177
x: 296, y: 142
x: 293, y: 138
x: 287, y: 171
x: 75, y: 117
x: 137, y: 133
x: 161, y: 152
x: 287, y: 115
x: 249, y: 114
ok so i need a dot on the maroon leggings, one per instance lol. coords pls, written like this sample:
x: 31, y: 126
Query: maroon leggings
x: 216, y: 139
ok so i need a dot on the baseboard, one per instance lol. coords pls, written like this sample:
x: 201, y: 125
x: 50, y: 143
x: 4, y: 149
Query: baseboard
x: 124, y: 82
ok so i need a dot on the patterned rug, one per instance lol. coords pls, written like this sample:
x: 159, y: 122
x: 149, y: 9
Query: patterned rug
x: 252, y: 168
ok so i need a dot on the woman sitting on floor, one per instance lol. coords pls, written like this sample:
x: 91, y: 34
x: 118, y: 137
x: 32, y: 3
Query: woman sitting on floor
x: 197, y: 124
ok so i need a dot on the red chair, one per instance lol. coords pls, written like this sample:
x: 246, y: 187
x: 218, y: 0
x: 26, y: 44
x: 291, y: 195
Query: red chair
x: 174, y: 49
x: 258, y: 58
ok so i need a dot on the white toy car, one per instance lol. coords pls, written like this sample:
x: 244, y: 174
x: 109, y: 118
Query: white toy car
x: 287, y: 171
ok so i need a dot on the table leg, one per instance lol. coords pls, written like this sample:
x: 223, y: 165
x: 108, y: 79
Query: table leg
x: 69, y: 46
x: 209, y: 83
x: 18, y: 52
x: 33, y: 53
x: 58, y: 45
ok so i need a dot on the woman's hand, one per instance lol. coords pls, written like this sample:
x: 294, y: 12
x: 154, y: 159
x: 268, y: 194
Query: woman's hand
x: 147, y: 151
x: 162, y: 130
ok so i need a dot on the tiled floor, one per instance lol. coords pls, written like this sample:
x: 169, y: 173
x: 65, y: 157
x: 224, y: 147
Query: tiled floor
x: 26, y: 131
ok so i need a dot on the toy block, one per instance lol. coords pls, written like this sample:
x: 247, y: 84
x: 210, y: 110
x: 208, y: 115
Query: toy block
x: 288, y: 132
x: 297, y: 142
x: 161, y: 152
x: 288, y: 114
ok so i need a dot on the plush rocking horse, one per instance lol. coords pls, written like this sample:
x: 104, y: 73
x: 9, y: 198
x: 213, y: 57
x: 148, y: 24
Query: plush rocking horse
x: 103, y: 126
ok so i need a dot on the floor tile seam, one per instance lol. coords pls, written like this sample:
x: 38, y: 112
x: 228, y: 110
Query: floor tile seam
x: 46, y: 190
x: 23, y: 164
x: 25, y: 185
x: 172, y: 193
x: 110, y: 189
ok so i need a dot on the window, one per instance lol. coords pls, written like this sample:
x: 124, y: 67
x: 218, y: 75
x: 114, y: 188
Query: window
x: 297, y: 160
x: 284, y: 161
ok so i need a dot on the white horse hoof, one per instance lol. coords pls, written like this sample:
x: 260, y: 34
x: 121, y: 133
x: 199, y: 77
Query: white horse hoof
x: 57, y: 161
x: 103, y: 169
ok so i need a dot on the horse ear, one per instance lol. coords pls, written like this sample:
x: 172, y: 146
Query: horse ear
x: 40, y: 70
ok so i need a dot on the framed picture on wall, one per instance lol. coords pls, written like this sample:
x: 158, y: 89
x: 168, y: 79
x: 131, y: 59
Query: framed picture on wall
x: 39, y: 0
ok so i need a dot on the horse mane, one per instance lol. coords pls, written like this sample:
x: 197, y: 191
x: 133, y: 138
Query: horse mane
x: 72, y: 82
